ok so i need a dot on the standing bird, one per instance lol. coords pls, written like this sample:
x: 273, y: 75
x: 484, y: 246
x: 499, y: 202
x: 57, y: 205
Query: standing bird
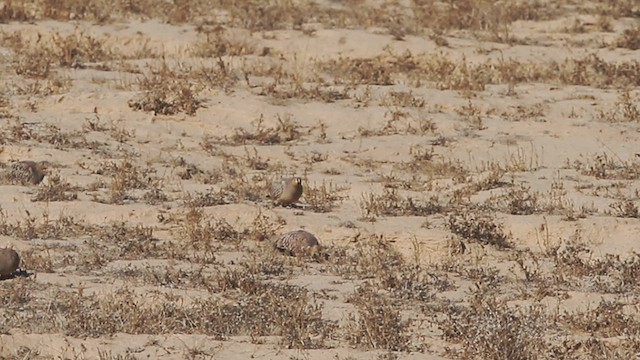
x: 26, y: 172
x: 9, y: 262
x: 287, y: 191
x: 298, y: 242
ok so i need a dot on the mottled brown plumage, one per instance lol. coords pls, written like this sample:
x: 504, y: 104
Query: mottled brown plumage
x: 287, y: 191
x: 9, y: 262
x: 26, y: 172
x: 298, y: 242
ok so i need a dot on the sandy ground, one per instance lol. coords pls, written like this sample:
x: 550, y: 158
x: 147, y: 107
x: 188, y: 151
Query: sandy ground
x: 562, y: 157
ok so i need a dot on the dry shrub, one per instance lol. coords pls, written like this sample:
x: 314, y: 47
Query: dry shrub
x: 402, y: 99
x: 16, y: 293
x: 523, y: 113
x: 49, y: 134
x: 263, y: 227
x: 493, y: 16
x: 596, y: 348
x: 218, y: 42
x: 378, y: 324
x: 606, y: 320
x: 256, y: 15
x: 56, y: 189
x: 167, y: 91
x: 626, y: 109
x: 71, y: 48
x: 14, y: 11
x: 401, y: 122
x: 155, y: 196
x: 63, y: 139
x: 391, y: 203
x: 273, y: 309
x: 31, y: 228
x: 324, y: 197
x: 448, y: 74
x: 629, y: 39
x: 423, y: 162
x: 286, y: 130
x: 232, y: 183
x: 482, y: 228
x: 126, y: 176
x: 376, y: 259
x: 489, y: 328
x: 33, y: 63
x: 132, y: 242
x: 352, y: 72
x: 210, y: 198
x: 372, y: 257
x: 204, y: 234
x: 625, y: 208
x: 104, y: 11
x: 35, y: 59
x: 620, y: 8
x: 604, y: 166
x: 608, y: 274
x: 516, y: 200
x: 594, y: 71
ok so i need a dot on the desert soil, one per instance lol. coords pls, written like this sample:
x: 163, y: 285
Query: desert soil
x: 472, y: 172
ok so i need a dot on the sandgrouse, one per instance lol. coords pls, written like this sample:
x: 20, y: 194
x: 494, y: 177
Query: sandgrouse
x: 287, y: 191
x: 298, y: 242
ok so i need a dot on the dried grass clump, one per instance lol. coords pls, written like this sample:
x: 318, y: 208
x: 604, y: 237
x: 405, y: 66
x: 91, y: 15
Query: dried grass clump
x: 257, y: 15
x: 401, y: 122
x: 376, y: 71
x: 56, y: 189
x: 217, y: 42
x: 273, y: 309
x: 626, y: 109
x: 33, y: 63
x: 204, y: 234
x: 491, y: 16
x: 482, y: 228
x: 50, y: 134
x: 286, y: 130
x: 606, y: 320
x: 391, y: 203
x: 402, y: 99
x: 132, y: 242
x: 489, y: 328
x: 464, y: 75
x: 516, y: 200
x: 15, y: 11
x: 593, y: 71
x: 126, y: 176
x: 36, y: 59
x: 325, y: 197
x: 371, y: 257
x: 609, y: 274
x: 167, y: 91
x: 378, y: 324
x: 45, y: 228
x: 104, y: 11
x: 630, y: 39
x: 210, y: 198
x: 604, y: 166
x: 423, y: 161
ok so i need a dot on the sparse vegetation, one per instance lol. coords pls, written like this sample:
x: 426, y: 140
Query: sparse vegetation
x: 167, y: 91
x: 470, y: 170
x: 482, y: 228
x: 391, y: 203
